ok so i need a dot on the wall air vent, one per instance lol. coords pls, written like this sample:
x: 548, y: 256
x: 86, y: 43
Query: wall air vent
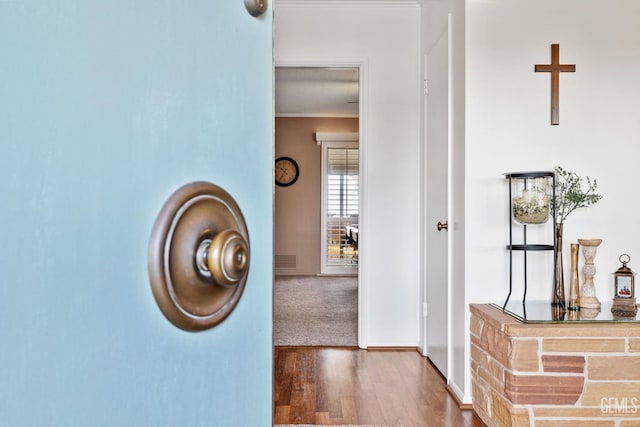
x: 285, y: 263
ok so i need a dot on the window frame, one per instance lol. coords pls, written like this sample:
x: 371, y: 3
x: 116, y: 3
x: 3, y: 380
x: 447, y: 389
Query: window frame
x: 326, y: 146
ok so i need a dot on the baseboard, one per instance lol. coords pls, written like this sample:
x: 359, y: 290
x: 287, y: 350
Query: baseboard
x: 336, y: 274
x: 408, y: 348
x: 316, y: 347
x: 284, y: 273
x: 463, y: 406
x: 381, y: 348
x: 452, y: 390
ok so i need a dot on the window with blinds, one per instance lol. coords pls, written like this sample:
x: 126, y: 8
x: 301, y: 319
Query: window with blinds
x: 342, y: 202
x: 342, y: 182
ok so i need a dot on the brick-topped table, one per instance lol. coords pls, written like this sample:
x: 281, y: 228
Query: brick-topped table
x: 560, y: 374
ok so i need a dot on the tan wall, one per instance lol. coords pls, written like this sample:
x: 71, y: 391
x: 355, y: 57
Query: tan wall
x: 297, y: 208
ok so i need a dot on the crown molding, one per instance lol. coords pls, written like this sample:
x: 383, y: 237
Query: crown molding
x: 319, y: 115
x: 348, y: 3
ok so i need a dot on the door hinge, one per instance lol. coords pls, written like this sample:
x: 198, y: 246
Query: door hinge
x: 425, y: 86
x: 425, y: 309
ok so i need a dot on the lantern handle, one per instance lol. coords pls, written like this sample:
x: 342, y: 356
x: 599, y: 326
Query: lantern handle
x: 624, y: 263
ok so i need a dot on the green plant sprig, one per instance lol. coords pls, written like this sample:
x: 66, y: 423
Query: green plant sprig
x: 570, y: 195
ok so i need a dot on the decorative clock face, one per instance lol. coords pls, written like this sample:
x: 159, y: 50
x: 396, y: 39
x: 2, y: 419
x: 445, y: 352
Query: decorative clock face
x: 286, y: 171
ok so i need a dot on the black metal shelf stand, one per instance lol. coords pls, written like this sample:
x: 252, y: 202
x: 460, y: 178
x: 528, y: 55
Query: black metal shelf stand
x: 524, y: 246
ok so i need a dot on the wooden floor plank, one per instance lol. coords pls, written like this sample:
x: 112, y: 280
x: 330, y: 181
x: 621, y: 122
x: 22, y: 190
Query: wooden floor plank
x: 332, y: 386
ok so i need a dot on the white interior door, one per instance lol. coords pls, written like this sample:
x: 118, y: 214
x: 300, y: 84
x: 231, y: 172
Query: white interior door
x: 437, y: 171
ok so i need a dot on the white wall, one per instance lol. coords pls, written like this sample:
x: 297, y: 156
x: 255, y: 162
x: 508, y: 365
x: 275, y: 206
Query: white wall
x: 508, y: 128
x: 386, y: 40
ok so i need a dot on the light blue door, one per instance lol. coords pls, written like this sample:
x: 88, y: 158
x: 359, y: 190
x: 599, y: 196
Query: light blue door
x: 106, y: 108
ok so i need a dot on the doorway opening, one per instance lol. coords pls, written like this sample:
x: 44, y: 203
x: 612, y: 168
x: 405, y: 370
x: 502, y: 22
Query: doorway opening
x: 317, y: 220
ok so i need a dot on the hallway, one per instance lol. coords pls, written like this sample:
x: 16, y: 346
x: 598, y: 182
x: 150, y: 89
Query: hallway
x: 333, y: 386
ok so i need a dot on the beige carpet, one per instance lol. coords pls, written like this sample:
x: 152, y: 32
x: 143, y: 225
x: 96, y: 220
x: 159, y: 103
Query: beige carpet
x: 315, y: 311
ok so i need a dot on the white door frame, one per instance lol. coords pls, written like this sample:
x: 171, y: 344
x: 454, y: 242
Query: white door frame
x: 328, y: 140
x: 362, y: 65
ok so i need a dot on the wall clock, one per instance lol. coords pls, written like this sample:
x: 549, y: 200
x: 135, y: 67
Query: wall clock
x: 286, y: 172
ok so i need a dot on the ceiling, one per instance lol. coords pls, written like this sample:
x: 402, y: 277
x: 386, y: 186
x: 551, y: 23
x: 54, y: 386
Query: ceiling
x: 316, y: 92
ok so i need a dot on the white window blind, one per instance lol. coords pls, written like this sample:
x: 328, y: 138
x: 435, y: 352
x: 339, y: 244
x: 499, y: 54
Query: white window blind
x: 342, y: 201
x: 342, y: 182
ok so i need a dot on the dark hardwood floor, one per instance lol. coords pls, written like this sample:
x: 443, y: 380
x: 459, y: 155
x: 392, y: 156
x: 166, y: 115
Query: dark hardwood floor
x: 330, y: 386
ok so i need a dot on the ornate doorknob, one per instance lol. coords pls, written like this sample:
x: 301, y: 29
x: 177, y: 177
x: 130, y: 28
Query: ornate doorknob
x: 198, y: 258
x: 442, y: 226
x: 256, y: 7
x: 225, y: 257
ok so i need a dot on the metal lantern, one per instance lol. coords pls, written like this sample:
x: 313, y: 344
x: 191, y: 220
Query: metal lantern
x: 624, y: 294
x: 624, y: 286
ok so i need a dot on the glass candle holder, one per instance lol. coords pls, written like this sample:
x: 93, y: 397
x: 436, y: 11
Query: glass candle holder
x: 531, y: 199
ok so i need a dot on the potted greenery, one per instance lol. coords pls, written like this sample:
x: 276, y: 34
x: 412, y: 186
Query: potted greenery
x: 569, y: 196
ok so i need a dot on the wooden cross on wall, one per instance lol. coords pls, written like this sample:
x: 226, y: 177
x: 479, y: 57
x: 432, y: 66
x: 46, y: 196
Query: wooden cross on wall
x: 555, y: 68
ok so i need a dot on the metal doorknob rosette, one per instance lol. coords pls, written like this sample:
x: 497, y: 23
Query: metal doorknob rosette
x: 198, y: 258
